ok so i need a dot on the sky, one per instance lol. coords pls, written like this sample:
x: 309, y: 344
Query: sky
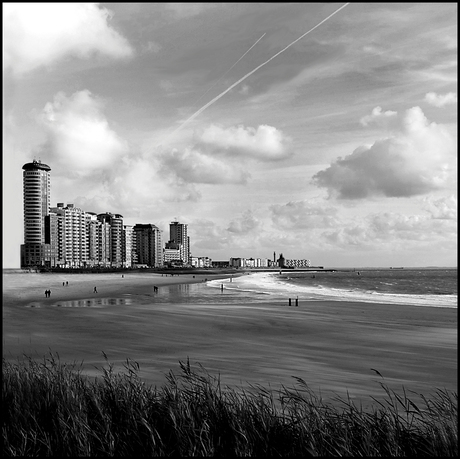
x: 322, y: 131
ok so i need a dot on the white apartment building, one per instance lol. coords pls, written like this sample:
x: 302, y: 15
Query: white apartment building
x: 70, y: 238
x: 201, y: 262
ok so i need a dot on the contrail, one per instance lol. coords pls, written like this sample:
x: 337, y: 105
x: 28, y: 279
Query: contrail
x: 231, y: 67
x: 202, y: 109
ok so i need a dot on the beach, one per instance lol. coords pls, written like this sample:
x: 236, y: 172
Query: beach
x: 334, y: 346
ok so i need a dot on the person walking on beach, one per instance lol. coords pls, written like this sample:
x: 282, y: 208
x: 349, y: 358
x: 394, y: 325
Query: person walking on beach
x: 63, y: 284
x: 95, y: 290
x: 46, y: 293
x: 67, y: 283
x: 49, y: 293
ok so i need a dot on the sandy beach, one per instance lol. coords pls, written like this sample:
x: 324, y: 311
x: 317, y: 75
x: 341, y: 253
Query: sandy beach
x: 332, y: 345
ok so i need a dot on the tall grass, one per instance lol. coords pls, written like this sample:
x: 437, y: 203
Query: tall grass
x: 51, y: 409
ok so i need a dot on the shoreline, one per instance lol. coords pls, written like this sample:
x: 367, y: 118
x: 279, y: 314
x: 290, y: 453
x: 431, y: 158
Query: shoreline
x: 332, y: 345
x: 82, y: 285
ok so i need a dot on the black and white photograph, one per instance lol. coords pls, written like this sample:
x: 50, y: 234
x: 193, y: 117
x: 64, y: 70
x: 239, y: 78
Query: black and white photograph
x: 230, y: 229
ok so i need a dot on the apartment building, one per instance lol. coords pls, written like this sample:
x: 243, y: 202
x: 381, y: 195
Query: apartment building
x: 112, y: 239
x: 148, y: 245
x: 178, y: 235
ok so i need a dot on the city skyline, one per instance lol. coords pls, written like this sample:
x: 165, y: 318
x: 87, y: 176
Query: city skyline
x: 65, y: 236
x: 339, y: 148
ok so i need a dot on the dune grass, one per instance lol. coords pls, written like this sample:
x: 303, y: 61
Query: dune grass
x: 51, y: 409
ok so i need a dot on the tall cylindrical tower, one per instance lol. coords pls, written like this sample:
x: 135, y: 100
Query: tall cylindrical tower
x: 36, y: 181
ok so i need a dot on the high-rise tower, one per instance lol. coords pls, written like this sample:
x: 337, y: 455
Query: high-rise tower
x: 36, y: 182
x: 148, y: 244
x: 178, y: 235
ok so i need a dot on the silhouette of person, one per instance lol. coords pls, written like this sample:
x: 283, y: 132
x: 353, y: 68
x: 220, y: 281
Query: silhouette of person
x: 67, y: 283
x: 63, y: 284
x: 46, y: 293
x: 49, y: 293
x: 95, y: 290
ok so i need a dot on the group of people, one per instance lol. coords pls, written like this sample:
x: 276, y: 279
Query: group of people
x: 296, y: 302
x: 65, y: 283
x: 48, y: 292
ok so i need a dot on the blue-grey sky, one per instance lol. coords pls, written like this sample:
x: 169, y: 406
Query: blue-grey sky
x: 341, y: 149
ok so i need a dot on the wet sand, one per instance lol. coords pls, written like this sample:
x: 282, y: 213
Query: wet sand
x: 332, y: 345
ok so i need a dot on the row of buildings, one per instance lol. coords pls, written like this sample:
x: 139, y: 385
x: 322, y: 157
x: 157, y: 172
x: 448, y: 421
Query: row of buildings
x: 69, y: 237
x: 66, y: 236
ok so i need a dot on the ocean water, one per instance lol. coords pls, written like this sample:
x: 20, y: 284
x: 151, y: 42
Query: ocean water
x: 422, y: 287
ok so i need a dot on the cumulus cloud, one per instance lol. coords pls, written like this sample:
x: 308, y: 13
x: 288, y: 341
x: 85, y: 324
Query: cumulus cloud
x: 78, y: 134
x: 377, y: 115
x: 417, y: 158
x: 221, y: 155
x: 441, y: 100
x: 37, y: 34
x: 192, y: 166
x: 244, y: 225
x: 303, y: 215
x: 444, y: 208
x: 393, y: 230
x: 206, y: 236
x: 264, y: 143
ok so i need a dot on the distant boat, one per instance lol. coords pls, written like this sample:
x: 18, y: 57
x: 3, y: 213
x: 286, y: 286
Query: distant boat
x: 391, y: 267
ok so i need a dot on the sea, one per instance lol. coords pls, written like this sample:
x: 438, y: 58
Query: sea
x: 429, y: 287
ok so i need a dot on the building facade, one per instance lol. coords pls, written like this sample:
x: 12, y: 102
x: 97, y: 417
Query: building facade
x: 297, y: 263
x: 112, y: 239
x: 66, y: 236
x: 37, y: 197
x: 178, y: 235
x: 148, y: 245
x: 201, y: 262
x: 128, y: 249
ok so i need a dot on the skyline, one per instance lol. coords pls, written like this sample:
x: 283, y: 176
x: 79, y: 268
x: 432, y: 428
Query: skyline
x: 341, y: 149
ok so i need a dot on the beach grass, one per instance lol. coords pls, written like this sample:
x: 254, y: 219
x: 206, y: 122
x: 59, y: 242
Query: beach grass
x: 51, y: 409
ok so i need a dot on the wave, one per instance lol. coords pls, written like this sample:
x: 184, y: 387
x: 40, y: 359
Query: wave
x: 270, y: 284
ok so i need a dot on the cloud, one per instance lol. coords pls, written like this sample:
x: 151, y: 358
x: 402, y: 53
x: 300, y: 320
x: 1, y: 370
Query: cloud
x: 187, y: 10
x: 244, y: 225
x: 302, y: 215
x: 376, y: 115
x: 192, y: 166
x: 441, y: 100
x: 38, y: 34
x: 393, y: 231
x: 417, y: 158
x: 152, y: 47
x: 444, y: 208
x: 266, y: 143
x: 79, y: 137
x: 220, y: 155
x: 206, y: 237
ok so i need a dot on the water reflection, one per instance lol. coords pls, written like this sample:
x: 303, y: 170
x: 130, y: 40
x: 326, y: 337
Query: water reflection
x: 204, y: 293
x: 93, y: 302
